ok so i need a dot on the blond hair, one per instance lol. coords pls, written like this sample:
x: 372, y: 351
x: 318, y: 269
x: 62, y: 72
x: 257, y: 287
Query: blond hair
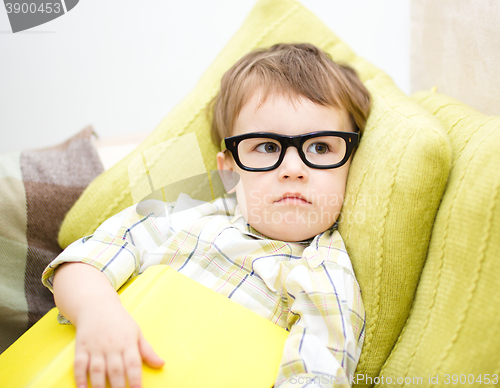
x: 292, y: 70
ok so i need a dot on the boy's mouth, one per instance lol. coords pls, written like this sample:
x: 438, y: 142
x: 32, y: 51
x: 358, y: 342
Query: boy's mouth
x: 292, y: 199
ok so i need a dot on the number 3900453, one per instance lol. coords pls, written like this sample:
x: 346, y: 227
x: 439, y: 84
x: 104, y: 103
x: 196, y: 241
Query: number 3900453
x: 33, y: 8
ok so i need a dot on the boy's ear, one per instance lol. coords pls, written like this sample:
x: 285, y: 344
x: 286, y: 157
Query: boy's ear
x: 224, y: 163
x: 228, y: 176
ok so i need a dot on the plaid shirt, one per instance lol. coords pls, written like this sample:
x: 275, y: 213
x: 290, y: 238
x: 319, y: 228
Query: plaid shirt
x: 307, y: 287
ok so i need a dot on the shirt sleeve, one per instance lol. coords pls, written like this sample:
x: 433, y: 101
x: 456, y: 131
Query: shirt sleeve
x: 121, y: 244
x: 326, y: 317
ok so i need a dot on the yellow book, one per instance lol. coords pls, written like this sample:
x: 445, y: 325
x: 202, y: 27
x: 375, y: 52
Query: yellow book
x: 205, y: 339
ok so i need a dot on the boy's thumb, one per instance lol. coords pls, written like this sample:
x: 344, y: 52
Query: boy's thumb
x: 148, y: 354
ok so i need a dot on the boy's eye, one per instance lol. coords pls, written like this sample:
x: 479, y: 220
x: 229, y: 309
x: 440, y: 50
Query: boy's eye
x: 268, y: 147
x: 318, y: 148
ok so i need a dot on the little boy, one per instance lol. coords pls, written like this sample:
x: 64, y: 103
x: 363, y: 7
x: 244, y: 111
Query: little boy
x: 288, y: 119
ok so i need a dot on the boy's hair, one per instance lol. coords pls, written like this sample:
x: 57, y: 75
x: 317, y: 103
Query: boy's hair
x: 291, y: 70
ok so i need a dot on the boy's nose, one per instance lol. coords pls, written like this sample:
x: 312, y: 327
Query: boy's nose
x: 292, y: 166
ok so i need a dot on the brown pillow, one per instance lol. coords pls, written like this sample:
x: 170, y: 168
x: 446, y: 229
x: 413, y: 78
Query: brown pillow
x: 37, y: 188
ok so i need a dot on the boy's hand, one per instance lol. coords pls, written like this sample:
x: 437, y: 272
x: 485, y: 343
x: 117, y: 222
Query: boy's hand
x: 109, y: 343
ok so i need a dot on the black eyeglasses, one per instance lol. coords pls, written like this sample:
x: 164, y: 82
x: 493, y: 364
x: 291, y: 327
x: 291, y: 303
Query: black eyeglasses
x: 264, y: 151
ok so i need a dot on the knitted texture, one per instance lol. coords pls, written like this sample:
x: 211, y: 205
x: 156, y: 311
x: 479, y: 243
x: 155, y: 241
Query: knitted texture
x: 393, y: 191
x: 454, y: 325
x: 394, y: 187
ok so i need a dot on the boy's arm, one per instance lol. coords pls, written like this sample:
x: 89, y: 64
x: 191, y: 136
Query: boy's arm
x: 108, y: 340
x: 90, y: 270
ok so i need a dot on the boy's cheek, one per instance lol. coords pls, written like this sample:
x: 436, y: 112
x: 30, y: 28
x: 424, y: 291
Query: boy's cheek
x: 230, y: 180
x: 258, y: 198
x: 255, y: 216
x: 254, y: 199
x: 335, y: 201
x: 253, y: 193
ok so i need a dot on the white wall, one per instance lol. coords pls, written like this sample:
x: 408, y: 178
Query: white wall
x: 122, y: 65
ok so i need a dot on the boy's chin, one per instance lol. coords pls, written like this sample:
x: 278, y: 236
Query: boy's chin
x: 295, y: 237
x: 291, y: 231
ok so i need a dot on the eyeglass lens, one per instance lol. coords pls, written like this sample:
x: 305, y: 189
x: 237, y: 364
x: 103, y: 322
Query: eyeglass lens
x: 265, y: 152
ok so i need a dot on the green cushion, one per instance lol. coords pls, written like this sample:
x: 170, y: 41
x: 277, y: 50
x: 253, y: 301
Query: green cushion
x: 393, y: 191
x: 402, y: 163
x: 454, y: 326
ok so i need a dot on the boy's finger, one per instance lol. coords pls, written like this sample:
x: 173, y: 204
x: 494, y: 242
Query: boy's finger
x: 97, y: 371
x: 148, y: 354
x: 115, y: 370
x: 80, y: 369
x: 133, y: 367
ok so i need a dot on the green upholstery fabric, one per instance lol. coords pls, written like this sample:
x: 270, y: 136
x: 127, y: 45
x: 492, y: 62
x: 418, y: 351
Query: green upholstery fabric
x: 454, y: 325
x: 394, y: 188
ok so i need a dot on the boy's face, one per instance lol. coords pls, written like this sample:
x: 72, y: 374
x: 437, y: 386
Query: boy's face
x: 293, y: 202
